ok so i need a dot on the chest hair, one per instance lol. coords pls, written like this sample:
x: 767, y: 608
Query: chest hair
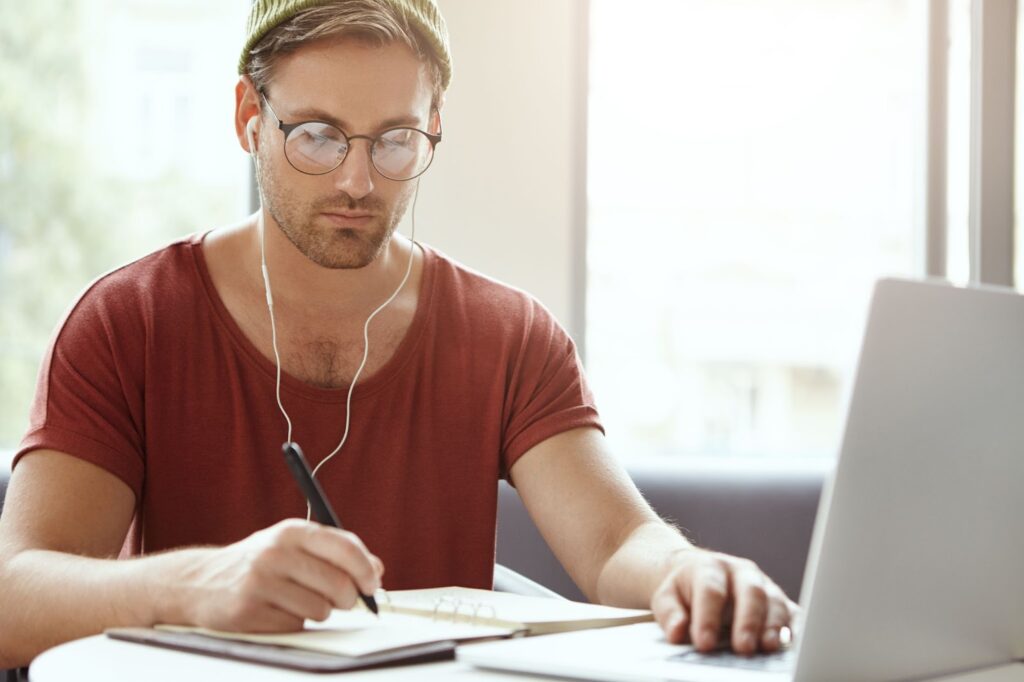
x: 331, y: 362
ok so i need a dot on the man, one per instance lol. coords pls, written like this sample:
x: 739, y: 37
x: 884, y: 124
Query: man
x: 169, y: 388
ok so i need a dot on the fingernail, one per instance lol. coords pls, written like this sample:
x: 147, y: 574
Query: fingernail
x: 747, y: 643
x: 708, y: 639
x: 771, y: 638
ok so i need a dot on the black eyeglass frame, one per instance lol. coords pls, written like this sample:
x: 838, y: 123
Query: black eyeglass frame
x: 287, y: 129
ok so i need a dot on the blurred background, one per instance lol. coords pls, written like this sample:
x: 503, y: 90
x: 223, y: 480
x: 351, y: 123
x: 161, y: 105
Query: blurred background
x: 702, y: 191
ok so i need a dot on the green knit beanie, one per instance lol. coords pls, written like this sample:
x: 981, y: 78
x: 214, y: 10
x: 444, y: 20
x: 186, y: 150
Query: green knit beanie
x: 422, y: 15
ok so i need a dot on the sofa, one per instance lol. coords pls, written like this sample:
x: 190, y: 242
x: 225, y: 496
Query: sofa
x: 763, y: 512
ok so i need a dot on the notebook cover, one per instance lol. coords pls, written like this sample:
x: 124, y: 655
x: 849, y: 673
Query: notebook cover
x: 283, y: 657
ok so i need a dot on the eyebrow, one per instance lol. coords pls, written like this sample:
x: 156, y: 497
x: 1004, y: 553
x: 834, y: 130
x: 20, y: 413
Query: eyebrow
x: 312, y: 114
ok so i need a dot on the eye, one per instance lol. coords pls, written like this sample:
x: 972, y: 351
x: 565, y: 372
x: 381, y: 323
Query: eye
x: 309, y: 137
x: 399, y: 138
x: 319, y: 134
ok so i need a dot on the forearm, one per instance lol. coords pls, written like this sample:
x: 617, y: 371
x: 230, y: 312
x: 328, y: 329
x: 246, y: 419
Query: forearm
x: 633, y: 572
x: 48, y: 598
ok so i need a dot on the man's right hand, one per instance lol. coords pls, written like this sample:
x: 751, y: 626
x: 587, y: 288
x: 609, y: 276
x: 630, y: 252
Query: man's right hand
x: 59, y: 580
x: 276, y: 578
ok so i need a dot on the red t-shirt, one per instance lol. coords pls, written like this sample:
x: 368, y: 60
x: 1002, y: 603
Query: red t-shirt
x: 150, y: 378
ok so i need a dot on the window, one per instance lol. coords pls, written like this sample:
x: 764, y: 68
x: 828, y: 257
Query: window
x: 753, y: 167
x: 116, y: 137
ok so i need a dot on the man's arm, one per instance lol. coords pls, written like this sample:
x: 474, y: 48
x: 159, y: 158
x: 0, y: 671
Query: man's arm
x: 64, y: 522
x: 619, y: 552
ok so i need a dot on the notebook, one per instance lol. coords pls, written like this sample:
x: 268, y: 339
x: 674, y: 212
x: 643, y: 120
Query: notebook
x: 283, y: 656
x: 409, y: 621
x: 517, y: 613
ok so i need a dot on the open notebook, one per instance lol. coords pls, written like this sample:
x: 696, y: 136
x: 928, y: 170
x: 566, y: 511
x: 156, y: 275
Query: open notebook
x: 516, y: 613
x: 409, y: 621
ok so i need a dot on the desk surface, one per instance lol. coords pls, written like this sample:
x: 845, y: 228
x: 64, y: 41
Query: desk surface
x: 100, y: 658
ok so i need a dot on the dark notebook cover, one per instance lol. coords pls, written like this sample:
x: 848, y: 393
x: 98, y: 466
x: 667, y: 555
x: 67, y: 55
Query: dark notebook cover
x: 283, y: 657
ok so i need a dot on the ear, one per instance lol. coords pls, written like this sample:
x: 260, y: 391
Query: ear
x: 434, y: 127
x: 247, y: 108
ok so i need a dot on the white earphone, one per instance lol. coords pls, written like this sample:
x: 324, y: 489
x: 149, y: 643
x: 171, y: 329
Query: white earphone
x: 250, y: 129
x: 250, y: 133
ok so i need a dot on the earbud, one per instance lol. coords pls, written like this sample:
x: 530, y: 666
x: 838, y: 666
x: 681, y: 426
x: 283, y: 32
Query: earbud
x: 250, y: 132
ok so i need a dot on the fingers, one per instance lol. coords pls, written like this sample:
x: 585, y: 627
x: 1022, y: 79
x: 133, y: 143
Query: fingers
x: 670, y: 611
x: 337, y: 547
x: 780, y: 616
x: 276, y: 578
x: 297, y: 601
x: 751, y: 607
x: 324, y: 579
x: 378, y: 566
x: 711, y: 589
x: 709, y: 596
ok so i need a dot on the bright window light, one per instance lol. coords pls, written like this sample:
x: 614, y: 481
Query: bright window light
x: 754, y: 166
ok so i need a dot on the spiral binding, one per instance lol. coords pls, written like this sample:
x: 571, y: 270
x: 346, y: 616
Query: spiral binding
x: 448, y: 608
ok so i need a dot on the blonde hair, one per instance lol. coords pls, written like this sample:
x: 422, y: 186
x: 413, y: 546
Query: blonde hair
x: 374, y: 22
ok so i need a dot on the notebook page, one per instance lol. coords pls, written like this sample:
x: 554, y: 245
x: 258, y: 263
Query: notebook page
x: 538, y: 614
x: 357, y: 633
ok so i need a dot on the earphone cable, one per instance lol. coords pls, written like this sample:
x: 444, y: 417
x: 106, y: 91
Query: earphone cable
x: 366, y: 336
x: 366, y: 326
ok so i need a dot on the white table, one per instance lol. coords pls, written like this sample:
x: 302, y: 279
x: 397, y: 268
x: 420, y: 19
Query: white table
x: 100, y: 658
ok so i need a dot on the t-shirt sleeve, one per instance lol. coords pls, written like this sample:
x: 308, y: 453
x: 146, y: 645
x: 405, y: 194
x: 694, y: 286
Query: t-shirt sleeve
x: 547, y: 391
x: 88, y: 401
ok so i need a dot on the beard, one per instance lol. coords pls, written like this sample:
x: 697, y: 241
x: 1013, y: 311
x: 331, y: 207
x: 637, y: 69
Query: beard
x: 326, y: 245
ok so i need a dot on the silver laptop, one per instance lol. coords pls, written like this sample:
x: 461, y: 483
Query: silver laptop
x: 916, y: 568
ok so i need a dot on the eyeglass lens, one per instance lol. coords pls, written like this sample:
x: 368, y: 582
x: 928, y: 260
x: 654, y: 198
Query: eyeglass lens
x: 398, y: 154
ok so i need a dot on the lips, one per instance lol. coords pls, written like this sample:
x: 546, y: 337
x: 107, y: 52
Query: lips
x: 348, y: 219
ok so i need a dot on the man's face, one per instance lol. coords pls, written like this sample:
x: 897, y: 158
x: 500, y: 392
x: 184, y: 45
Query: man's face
x: 344, y: 218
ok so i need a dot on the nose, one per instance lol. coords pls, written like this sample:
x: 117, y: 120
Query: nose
x: 355, y: 174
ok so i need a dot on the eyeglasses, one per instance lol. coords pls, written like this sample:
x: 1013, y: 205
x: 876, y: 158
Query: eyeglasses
x: 317, y: 148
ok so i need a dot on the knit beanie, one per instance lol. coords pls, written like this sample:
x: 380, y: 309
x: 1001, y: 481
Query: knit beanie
x: 422, y: 15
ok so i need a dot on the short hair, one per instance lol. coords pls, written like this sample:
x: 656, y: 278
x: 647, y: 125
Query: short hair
x: 374, y: 22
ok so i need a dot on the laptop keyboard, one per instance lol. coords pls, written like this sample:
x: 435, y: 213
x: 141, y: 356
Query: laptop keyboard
x: 776, y: 662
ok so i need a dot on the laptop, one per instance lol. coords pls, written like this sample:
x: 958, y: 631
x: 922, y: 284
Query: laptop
x: 916, y: 568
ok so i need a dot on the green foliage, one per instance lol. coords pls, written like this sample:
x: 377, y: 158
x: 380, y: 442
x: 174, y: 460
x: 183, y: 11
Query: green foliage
x: 62, y: 223
x: 46, y: 205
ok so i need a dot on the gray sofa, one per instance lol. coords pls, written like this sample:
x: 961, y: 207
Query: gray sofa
x: 765, y: 514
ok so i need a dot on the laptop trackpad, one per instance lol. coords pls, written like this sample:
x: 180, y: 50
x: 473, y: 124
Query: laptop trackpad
x: 777, y: 662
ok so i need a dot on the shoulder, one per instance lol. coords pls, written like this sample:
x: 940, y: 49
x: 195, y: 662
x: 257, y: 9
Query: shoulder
x: 150, y: 275
x: 129, y: 295
x: 474, y: 293
x: 500, y: 320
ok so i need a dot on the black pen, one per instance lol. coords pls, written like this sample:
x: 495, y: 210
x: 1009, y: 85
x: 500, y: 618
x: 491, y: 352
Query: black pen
x: 317, y: 502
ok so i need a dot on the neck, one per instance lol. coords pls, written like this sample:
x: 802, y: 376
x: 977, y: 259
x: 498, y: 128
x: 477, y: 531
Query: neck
x: 302, y: 285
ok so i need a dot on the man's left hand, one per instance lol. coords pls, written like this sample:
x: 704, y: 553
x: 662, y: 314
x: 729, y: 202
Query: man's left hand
x: 706, y: 590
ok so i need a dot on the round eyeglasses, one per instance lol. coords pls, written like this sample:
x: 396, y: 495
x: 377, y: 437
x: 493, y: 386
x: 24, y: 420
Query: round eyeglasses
x: 317, y: 148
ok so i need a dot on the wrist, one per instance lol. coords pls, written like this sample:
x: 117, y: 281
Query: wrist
x: 642, y: 563
x: 164, y: 592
